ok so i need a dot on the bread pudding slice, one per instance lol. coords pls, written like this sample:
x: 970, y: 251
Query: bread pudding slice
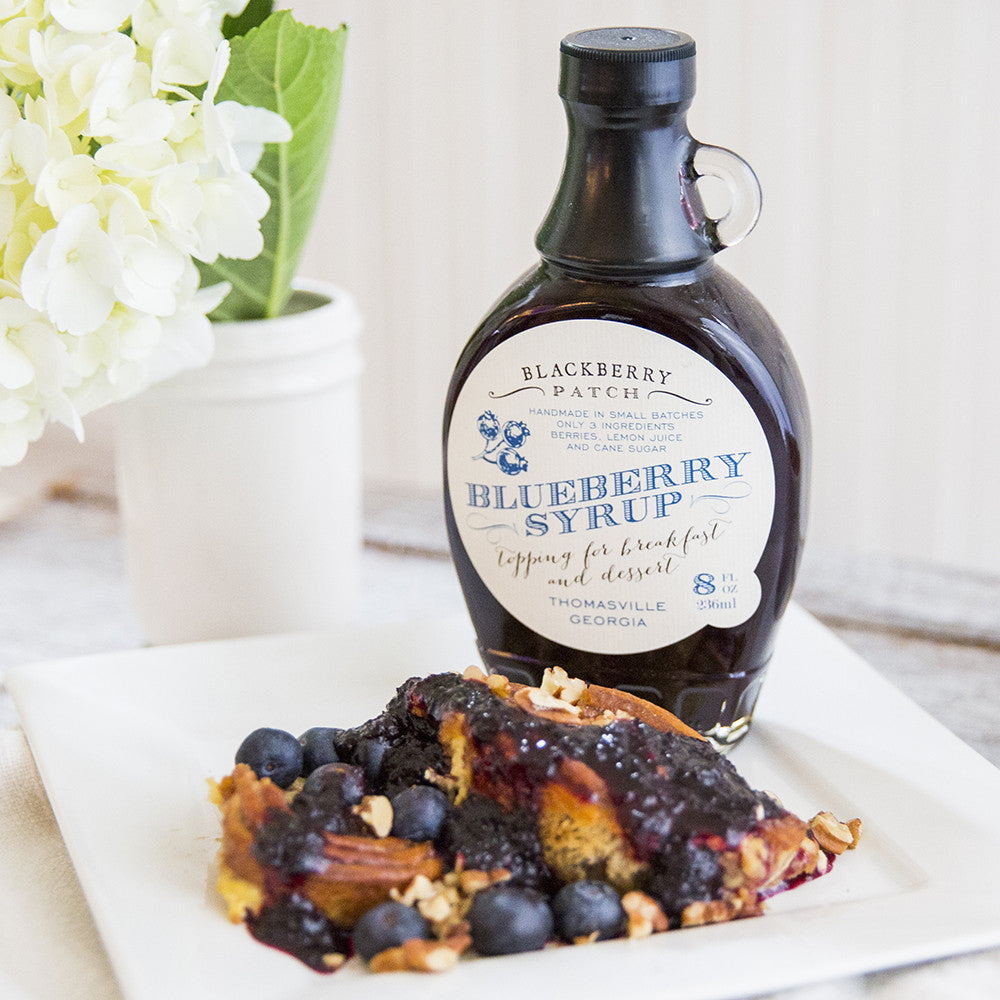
x: 546, y: 786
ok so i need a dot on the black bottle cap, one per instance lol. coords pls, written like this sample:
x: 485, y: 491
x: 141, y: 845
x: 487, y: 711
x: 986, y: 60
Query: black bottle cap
x: 627, y: 67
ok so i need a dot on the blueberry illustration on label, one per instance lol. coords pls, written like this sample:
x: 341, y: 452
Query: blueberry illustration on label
x: 489, y: 426
x: 511, y: 462
x: 514, y: 432
x: 503, y: 451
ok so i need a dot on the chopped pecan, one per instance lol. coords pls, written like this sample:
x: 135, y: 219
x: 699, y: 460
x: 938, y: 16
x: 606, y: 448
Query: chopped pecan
x: 420, y: 888
x: 832, y: 835
x: 542, y: 699
x: 714, y: 912
x: 766, y: 856
x: 442, y: 908
x: 417, y: 955
x: 470, y: 882
x: 807, y: 860
x: 448, y: 784
x: 559, y: 684
x: 376, y: 811
x: 754, y: 860
x: 644, y: 914
x: 499, y: 685
x: 545, y: 706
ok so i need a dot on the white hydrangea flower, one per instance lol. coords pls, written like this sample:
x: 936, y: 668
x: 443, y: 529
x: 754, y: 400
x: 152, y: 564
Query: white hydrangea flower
x: 176, y: 201
x: 8, y: 212
x: 114, y: 177
x: 122, y: 106
x: 182, y: 58
x: 72, y: 65
x: 58, y: 144
x: 246, y: 130
x: 20, y: 424
x: 91, y: 16
x: 154, y: 17
x: 150, y: 272
x: 226, y: 226
x: 16, y: 368
x: 23, y: 145
x: 187, y: 334
x: 62, y: 184
x: 72, y: 273
x: 15, y: 55
x: 37, y: 373
x: 234, y: 134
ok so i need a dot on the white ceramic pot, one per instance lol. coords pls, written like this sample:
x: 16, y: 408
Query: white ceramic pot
x: 240, y: 483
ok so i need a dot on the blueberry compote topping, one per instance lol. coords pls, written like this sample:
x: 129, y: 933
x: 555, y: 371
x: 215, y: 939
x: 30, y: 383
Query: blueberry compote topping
x: 291, y: 843
x: 481, y: 836
x: 666, y: 788
x: 677, y: 800
x: 673, y: 795
x: 294, y: 925
x: 395, y: 749
x: 690, y: 872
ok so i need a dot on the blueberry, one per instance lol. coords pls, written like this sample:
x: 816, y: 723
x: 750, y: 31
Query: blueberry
x: 488, y: 425
x: 343, y: 782
x: 272, y: 753
x: 418, y: 812
x: 511, y: 462
x: 369, y: 754
x: 387, y: 925
x: 583, y: 908
x: 319, y: 748
x: 507, y: 920
x: 514, y: 432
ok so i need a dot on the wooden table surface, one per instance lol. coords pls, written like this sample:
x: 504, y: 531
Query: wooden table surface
x: 933, y: 632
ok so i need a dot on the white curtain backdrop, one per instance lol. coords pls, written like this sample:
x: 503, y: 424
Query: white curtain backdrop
x: 873, y: 126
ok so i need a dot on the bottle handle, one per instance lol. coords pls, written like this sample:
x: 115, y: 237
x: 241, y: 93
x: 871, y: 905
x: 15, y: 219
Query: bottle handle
x: 744, y: 193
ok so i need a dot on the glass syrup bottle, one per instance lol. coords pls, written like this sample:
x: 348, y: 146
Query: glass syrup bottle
x: 626, y: 437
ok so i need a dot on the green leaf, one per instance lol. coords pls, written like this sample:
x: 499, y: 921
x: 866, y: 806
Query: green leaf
x: 253, y: 14
x: 295, y: 70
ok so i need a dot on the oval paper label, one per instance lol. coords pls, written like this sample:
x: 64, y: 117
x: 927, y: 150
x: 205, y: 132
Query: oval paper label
x: 613, y: 489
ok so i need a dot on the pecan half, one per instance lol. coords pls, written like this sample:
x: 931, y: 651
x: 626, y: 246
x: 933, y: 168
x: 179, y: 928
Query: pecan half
x: 360, y: 872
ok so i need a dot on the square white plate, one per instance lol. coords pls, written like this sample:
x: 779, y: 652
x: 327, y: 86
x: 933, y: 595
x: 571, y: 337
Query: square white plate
x: 125, y: 743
